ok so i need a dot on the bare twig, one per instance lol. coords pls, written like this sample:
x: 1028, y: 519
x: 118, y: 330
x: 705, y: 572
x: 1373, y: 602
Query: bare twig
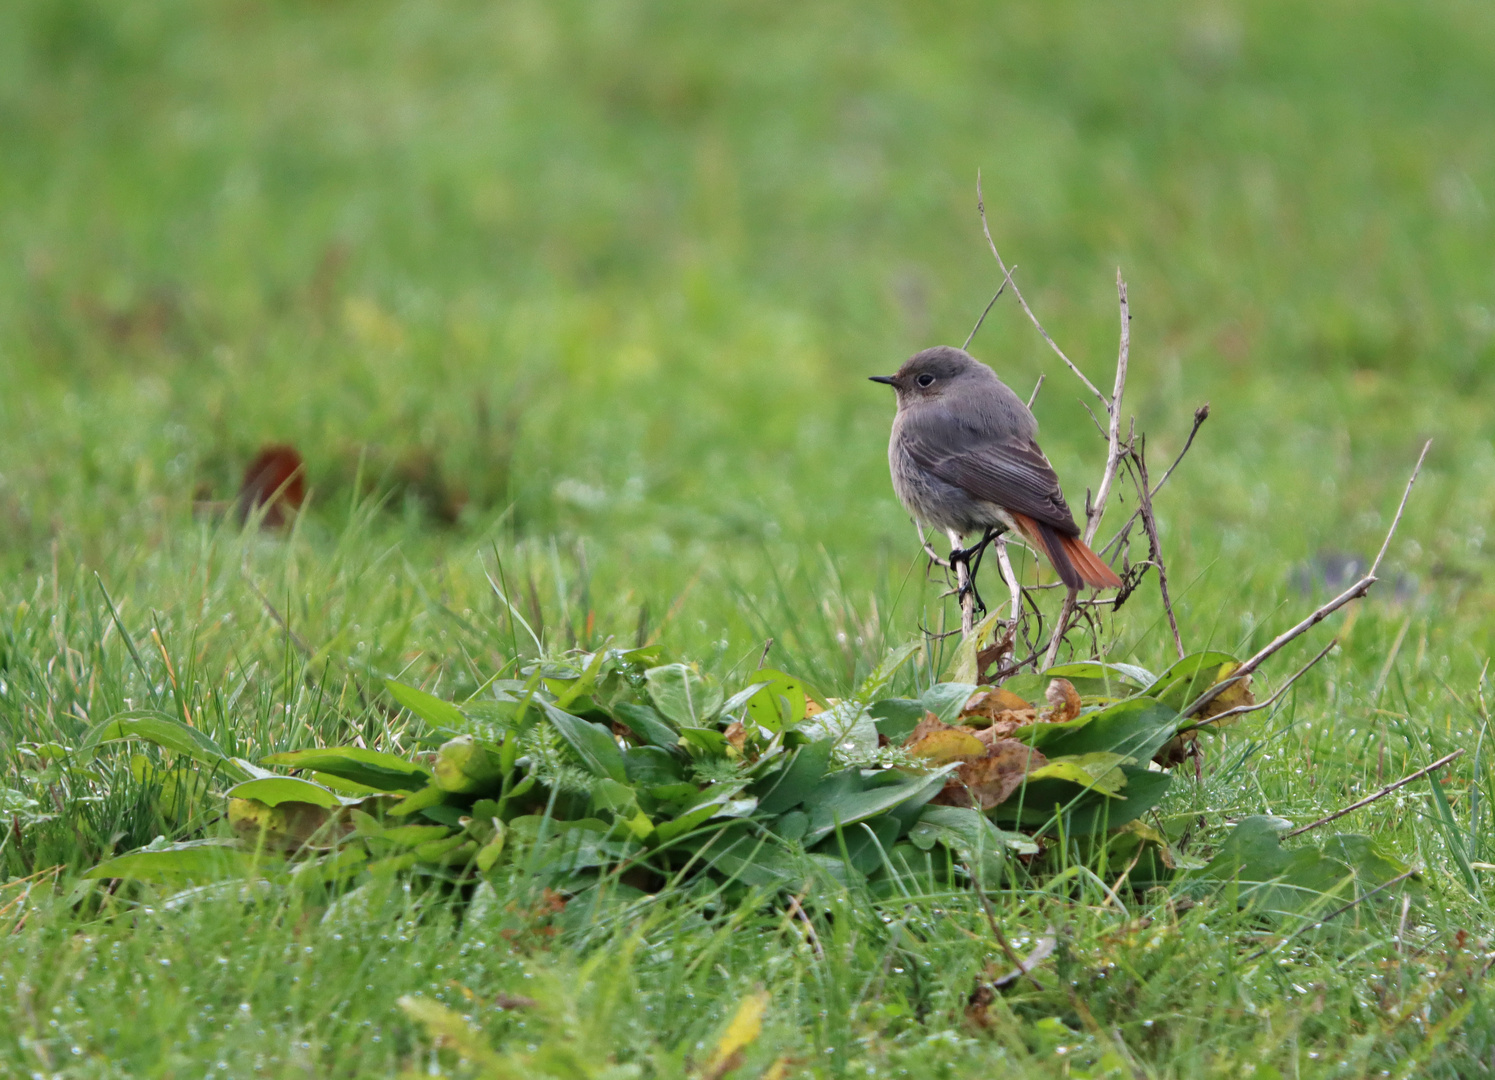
x: 934, y: 556
x: 1354, y: 592
x: 1387, y: 790
x: 1014, y: 589
x: 1034, y: 395
x: 1138, y: 455
x: 981, y: 209
x: 1042, y: 950
x: 1113, y: 409
x: 1241, y: 710
x: 1007, y: 276
x: 996, y: 931
x: 1095, y: 508
x: 1201, y: 414
x: 764, y: 658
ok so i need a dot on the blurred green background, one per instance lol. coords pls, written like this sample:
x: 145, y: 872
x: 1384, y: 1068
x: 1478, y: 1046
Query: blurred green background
x: 583, y: 296
x: 541, y: 273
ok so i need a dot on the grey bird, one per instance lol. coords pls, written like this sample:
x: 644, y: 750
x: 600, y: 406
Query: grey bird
x: 965, y: 460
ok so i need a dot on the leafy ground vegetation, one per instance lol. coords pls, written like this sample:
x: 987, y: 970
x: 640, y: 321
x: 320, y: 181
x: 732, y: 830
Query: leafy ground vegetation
x: 567, y: 308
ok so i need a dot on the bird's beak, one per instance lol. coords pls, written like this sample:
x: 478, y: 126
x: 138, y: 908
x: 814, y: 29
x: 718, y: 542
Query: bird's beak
x: 886, y: 379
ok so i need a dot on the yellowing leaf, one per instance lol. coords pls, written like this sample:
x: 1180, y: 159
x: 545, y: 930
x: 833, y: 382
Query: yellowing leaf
x: 1234, y: 696
x: 988, y: 781
x: 740, y: 1034
x: 942, y: 747
x: 1100, y: 771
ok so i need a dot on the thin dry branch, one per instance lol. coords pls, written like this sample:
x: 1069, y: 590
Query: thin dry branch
x: 1201, y: 414
x: 1354, y: 592
x: 989, y: 305
x: 996, y: 930
x: 1034, y: 395
x: 1113, y: 408
x: 1014, y: 588
x: 1387, y: 790
x: 1095, y: 509
x: 1138, y: 455
x: 934, y: 557
x: 1241, y: 710
x: 1007, y: 274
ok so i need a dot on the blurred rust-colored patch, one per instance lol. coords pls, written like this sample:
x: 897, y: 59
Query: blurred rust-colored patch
x: 276, y: 481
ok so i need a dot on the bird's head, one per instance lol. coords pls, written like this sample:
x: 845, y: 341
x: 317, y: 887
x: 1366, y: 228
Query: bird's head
x: 933, y: 373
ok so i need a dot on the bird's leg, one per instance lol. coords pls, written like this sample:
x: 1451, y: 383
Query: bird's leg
x: 961, y: 561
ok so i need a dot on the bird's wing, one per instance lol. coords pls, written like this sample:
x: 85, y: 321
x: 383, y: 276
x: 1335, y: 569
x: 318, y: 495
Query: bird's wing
x: 1012, y: 474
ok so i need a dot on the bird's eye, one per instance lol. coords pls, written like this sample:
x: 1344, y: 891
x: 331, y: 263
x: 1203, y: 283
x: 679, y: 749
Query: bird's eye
x: 926, y: 379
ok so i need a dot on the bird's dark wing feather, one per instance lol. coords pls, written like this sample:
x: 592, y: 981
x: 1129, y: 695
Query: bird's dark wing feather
x: 1013, y: 475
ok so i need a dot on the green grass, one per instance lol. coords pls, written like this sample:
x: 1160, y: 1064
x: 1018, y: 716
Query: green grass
x: 588, y: 292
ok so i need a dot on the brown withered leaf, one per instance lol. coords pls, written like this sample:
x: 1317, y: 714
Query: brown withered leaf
x: 276, y: 480
x: 1064, y: 702
x: 991, y: 701
x: 927, y: 726
x: 1004, y: 710
x: 993, y: 653
x: 736, y: 735
x: 976, y: 1005
x: 988, y: 781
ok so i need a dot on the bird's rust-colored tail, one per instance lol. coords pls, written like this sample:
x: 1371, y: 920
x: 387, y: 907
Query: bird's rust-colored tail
x: 1075, y: 563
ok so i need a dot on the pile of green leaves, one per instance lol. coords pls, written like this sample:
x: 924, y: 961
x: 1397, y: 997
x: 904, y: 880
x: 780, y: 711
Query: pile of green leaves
x: 616, y: 767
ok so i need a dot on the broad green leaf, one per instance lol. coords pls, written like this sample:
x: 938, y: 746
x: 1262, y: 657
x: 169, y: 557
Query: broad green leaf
x: 1085, y: 810
x: 372, y: 768
x: 649, y: 726
x: 789, y: 788
x: 896, y: 718
x: 863, y: 844
x: 276, y: 790
x: 1098, y: 771
x: 758, y: 860
x: 466, y: 765
x: 190, y: 860
x: 844, y: 805
x: 608, y: 794
x: 594, y: 744
x: 966, y: 830
x: 167, y: 733
x: 340, y: 784
x: 781, y: 702
x: 442, y: 715
x: 733, y: 705
x: 848, y: 725
x: 1094, y: 679
x: 424, y: 799
x: 1182, y: 683
x: 649, y: 766
x: 712, y: 801
x: 1134, y: 728
x: 706, y: 741
x: 946, y: 700
x: 684, y: 695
